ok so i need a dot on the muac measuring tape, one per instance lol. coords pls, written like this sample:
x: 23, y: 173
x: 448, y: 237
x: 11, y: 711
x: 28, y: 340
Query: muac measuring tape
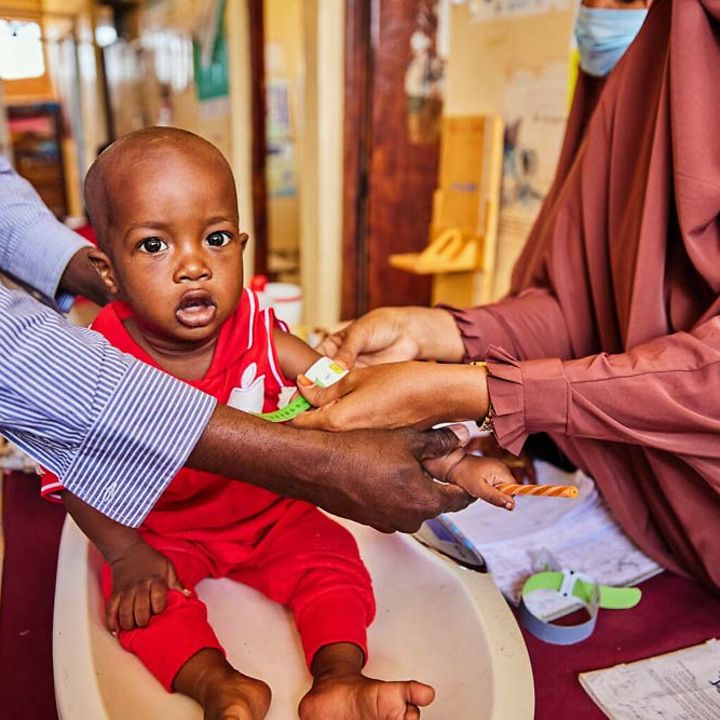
x: 324, y: 372
x: 576, y: 585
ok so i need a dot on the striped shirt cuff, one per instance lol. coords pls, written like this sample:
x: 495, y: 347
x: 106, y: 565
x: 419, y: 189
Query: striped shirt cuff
x: 139, y: 442
x: 40, y: 259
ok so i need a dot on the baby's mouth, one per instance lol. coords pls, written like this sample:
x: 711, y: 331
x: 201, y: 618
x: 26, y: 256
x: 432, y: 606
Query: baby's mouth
x: 196, y: 309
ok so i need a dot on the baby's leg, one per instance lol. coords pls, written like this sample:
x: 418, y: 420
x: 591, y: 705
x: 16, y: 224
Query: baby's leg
x: 180, y: 649
x: 224, y: 693
x: 341, y: 692
x: 312, y: 564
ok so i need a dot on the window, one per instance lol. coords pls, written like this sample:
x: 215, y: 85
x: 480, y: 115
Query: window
x: 21, y: 50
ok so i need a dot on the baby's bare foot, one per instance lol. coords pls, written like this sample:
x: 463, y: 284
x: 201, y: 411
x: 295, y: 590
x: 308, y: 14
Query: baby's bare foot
x: 356, y: 697
x: 237, y: 698
x: 224, y: 693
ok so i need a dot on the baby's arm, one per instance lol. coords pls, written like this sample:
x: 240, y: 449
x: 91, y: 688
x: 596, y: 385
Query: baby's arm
x: 294, y: 355
x: 141, y: 576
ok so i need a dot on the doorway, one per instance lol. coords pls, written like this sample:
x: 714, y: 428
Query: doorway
x: 393, y: 86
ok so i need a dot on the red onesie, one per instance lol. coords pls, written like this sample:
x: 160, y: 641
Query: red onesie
x: 210, y: 526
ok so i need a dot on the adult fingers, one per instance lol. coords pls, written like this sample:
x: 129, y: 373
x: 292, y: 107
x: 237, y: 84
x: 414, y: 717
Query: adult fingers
x: 351, y: 342
x: 330, y: 344
x: 451, y: 498
x: 319, y: 419
x: 318, y: 396
x: 441, y: 468
x: 462, y: 432
x: 437, y: 443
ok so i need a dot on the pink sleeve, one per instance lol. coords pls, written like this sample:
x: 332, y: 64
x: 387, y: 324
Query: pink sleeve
x: 528, y: 325
x: 663, y: 394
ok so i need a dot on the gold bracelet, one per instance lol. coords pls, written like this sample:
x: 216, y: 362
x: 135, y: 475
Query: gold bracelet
x: 485, y: 424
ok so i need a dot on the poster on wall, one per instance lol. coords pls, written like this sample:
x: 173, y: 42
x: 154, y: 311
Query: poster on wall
x: 534, y: 112
x: 425, y: 76
x: 210, y: 56
x: 280, y: 167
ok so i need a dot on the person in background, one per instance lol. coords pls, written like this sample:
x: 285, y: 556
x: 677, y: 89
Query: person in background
x: 609, y: 339
x: 116, y: 431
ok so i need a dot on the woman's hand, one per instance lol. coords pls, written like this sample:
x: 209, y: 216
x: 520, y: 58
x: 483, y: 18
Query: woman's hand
x: 390, y: 335
x: 408, y: 394
x: 141, y: 579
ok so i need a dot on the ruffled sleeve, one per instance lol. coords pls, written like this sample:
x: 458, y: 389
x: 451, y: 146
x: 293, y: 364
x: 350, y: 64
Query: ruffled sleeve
x: 526, y: 397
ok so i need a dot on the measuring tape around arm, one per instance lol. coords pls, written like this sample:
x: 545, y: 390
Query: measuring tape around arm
x: 323, y: 373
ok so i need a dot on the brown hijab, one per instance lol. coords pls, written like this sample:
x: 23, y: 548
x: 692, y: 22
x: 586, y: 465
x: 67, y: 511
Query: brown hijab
x: 647, y: 170
x: 610, y: 337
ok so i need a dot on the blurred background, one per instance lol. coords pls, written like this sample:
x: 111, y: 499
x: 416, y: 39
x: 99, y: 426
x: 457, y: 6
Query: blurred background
x: 359, y: 130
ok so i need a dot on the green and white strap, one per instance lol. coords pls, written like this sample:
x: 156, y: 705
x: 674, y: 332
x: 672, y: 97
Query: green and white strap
x: 323, y: 373
x: 577, y: 585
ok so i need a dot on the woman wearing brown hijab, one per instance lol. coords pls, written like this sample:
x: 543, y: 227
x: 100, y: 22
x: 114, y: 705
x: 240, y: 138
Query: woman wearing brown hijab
x: 609, y: 340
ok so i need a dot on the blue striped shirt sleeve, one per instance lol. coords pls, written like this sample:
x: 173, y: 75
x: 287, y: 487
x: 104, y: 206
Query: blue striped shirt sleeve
x: 35, y: 247
x: 114, y: 430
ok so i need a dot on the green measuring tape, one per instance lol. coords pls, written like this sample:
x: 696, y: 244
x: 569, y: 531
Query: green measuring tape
x: 323, y: 372
x: 289, y: 412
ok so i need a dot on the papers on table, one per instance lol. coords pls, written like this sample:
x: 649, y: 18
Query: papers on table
x: 578, y: 534
x: 682, y: 685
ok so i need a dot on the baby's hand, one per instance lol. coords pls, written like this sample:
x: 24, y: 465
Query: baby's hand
x: 478, y: 476
x: 141, y: 578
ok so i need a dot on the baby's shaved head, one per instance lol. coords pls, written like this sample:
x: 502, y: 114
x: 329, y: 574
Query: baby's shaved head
x: 134, y: 153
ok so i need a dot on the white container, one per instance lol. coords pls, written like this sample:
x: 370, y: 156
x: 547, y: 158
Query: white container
x: 436, y: 622
x: 286, y: 300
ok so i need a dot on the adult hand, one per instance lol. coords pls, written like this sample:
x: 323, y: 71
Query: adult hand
x: 374, y: 477
x: 409, y: 394
x: 81, y: 278
x: 395, y: 334
x: 378, y: 479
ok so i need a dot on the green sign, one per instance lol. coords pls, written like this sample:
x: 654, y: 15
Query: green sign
x: 211, y: 77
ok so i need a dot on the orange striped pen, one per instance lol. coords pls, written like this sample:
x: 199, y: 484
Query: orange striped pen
x: 563, y: 491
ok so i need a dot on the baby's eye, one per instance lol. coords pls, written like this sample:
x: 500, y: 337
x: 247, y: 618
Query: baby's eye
x: 218, y: 239
x: 152, y: 245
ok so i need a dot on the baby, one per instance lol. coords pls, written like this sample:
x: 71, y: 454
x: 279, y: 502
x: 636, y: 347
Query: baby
x: 164, y: 208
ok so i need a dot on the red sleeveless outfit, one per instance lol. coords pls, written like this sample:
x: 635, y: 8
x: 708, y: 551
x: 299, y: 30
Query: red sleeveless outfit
x: 211, y: 526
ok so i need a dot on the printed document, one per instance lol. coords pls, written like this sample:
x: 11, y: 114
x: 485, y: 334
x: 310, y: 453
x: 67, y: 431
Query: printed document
x: 682, y: 685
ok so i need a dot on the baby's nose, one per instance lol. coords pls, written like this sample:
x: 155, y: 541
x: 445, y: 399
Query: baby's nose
x: 192, y: 268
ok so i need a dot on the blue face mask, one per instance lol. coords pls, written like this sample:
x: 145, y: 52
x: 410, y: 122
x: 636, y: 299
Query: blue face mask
x: 603, y: 35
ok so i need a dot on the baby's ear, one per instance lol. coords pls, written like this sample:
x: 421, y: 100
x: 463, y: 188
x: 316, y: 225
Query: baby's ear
x: 244, y: 237
x: 101, y: 262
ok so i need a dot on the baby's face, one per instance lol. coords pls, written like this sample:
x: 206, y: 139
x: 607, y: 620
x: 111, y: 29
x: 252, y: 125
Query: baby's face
x: 175, y: 247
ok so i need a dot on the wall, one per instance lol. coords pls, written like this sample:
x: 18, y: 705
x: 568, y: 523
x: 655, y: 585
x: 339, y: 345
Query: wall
x: 284, y: 68
x: 518, y: 67
x: 321, y: 161
x: 151, y: 75
x: 151, y: 80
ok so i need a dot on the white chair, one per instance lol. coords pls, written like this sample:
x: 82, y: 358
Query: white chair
x: 436, y: 622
